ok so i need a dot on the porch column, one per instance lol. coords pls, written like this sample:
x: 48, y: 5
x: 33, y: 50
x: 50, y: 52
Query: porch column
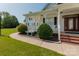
x: 58, y: 23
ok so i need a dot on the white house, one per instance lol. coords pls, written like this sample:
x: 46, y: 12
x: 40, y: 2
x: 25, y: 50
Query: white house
x: 34, y: 20
x: 62, y: 17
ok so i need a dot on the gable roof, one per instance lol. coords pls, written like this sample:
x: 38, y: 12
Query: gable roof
x: 46, y: 6
x: 49, y: 5
x: 33, y: 13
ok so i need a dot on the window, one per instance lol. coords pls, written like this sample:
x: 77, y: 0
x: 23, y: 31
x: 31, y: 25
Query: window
x: 28, y: 24
x: 30, y: 18
x: 37, y: 24
x: 59, y: 3
x: 43, y: 20
x: 55, y: 20
x: 25, y: 20
x: 34, y: 23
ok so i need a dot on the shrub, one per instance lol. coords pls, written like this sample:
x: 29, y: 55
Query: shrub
x: 45, y: 31
x: 22, y: 28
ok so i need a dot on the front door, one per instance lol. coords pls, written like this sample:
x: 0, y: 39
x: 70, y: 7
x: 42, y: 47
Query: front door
x: 71, y: 24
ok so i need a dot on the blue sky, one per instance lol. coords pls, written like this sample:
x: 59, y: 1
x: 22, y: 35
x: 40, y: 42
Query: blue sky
x: 18, y: 9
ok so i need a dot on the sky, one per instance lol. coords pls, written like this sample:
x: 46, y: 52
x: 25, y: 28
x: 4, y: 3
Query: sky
x: 18, y: 9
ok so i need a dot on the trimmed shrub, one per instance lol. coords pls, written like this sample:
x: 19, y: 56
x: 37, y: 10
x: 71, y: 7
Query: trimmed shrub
x: 45, y: 31
x: 22, y: 28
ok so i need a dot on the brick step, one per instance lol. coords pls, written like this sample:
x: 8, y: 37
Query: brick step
x: 71, y: 41
x: 67, y: 38
x: 71, y: 38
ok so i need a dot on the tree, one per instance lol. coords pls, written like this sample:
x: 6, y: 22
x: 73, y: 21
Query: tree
x: 4, y: 14
x: 9, y: 22
x: 14, y: 21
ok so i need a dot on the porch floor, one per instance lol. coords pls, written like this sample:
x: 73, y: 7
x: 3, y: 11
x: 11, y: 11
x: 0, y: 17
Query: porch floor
x: 69, y: 49
x: 71, y: 33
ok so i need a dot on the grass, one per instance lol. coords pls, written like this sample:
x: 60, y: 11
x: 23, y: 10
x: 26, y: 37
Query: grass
x: 12, y: 47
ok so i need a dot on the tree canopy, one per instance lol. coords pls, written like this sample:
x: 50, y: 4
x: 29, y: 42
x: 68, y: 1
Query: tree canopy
x: 9, y: 21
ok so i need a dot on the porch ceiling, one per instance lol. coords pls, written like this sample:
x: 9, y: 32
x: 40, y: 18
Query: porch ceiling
x: 70, y: 11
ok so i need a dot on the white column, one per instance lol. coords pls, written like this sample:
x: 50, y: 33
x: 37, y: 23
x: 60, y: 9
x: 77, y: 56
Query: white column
x: 58, y: 18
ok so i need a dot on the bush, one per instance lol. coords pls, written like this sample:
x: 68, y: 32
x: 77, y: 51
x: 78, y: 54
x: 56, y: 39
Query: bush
x: 45, y: 31
x: 22, y: 28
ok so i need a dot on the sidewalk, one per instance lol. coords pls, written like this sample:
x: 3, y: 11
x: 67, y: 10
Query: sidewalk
x: 68, y: 49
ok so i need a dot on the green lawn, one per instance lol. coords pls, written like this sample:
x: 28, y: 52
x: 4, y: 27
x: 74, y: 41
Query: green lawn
x: 12, y: 47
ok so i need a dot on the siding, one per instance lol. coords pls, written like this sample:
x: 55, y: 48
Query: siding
x: 50, y: 22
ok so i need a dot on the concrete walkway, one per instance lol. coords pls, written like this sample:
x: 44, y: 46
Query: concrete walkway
x: 68, y: 49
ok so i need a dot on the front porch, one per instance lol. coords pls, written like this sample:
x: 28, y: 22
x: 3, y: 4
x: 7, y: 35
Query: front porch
x: 69, y: 25
x: 70, y: 31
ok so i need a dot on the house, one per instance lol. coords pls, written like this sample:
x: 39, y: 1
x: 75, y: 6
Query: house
x: 62, y: 17
x: 34, y: 20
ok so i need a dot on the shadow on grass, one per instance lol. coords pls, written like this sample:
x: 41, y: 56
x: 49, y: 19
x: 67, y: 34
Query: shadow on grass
x: 3, y: 35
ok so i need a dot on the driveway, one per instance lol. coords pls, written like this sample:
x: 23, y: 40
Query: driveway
x: 68, y: 49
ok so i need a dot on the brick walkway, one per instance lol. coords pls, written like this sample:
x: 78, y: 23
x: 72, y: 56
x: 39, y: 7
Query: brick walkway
x: 68, y: 49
